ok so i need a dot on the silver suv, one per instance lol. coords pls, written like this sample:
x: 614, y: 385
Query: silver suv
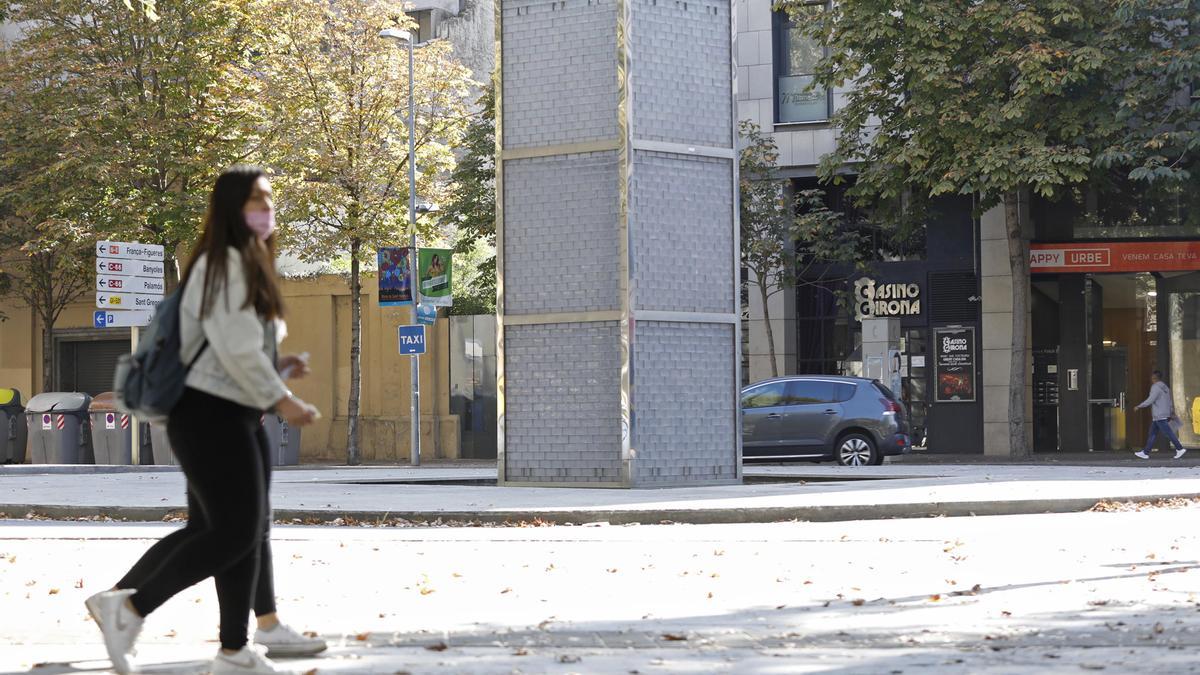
x: 853, y: 420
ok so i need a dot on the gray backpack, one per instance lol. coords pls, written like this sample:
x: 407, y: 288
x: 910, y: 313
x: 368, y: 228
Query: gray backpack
x: 150, y: 381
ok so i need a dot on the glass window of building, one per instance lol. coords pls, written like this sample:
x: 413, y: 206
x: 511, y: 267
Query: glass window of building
x: 796, y: 57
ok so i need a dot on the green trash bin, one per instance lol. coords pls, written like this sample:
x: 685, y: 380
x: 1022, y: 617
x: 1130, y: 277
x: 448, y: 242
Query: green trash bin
x: 59, y: 428
x: 13, y: 430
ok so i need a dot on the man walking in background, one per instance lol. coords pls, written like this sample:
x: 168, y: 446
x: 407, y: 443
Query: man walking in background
x: 1162, y: 413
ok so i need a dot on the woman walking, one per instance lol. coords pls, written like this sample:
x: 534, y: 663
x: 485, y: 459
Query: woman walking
x: 230, y: 325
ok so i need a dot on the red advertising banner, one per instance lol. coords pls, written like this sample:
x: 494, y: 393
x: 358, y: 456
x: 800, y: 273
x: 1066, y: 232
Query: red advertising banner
x: 1122, y: 256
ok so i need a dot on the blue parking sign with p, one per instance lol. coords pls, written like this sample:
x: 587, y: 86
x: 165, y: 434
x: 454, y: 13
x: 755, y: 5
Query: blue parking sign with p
x: 412, y: 340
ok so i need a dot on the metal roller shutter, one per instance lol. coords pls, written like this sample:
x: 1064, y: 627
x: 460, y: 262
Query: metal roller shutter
x: 88, y: 366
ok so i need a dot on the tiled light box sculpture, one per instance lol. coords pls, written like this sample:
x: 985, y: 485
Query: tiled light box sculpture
x: 617, y: 243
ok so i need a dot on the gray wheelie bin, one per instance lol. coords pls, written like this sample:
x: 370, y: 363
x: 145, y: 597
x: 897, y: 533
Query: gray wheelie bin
x: 283, y: 439
x: 112, y: 431
x: 161, y: 446
x: 58, y: 428
x: 13, y: 431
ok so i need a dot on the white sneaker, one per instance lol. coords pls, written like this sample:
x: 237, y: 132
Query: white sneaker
x: 283, y: 641
x: 119, y: 625
x: 1180, y: 453
x: 1141, y: 454
x: 248, y: 659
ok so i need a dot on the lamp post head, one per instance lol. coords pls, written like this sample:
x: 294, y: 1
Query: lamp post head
x: 396, y: 34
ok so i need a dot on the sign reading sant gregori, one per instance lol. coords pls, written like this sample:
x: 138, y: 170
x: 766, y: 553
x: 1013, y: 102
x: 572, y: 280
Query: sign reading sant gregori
x: 872, y: 300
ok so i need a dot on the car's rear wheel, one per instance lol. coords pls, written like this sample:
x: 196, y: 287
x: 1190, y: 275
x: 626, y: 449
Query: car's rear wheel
x: 856, y: 449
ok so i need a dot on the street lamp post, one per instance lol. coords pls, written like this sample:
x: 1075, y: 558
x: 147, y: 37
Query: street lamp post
x: 415, y: 369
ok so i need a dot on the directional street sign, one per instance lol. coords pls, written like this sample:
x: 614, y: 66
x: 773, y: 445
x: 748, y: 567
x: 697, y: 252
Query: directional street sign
x: 412, y: 340
x: 143, y: 285
x: 129, y: 268
x: 102, y: 319
x: 130, y: 251
x: 127, y: 301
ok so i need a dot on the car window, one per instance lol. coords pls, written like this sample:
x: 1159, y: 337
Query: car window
x: 845, y: 391
x: 884, y: 390
x: 804, y: 392
x: 765, y: 396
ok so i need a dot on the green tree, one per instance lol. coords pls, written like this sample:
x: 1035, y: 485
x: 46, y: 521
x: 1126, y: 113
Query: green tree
x: 788, y: 238
x: 128, y: 116
x: 1000, y: 99
x: 472, y: 212
x: 47, y: 265
x: 338, y: 95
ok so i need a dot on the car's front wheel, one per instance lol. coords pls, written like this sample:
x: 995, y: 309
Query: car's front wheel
x: 857, y: 449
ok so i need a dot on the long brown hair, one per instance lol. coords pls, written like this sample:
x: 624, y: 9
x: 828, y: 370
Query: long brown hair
x: 225, y: 226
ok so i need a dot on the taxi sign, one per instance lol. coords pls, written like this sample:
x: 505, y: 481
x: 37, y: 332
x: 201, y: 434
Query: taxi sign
x: 412, y: 340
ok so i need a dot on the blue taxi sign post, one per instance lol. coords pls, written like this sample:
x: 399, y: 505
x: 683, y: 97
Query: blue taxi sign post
x: 412, y: 343
x: 412, y: 340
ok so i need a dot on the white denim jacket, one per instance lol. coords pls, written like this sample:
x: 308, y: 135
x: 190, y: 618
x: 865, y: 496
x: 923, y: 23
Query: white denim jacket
x: 239, y: 362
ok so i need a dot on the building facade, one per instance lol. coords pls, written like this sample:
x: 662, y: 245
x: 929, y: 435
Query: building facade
x: 318, y: 313
x: 928, y: 282
x: 1115, y: 288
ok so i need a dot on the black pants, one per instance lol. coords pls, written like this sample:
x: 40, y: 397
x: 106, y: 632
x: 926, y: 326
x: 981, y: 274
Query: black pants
x: 223, y: 451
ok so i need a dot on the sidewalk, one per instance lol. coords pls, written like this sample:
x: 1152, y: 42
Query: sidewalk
x: 456, y: 494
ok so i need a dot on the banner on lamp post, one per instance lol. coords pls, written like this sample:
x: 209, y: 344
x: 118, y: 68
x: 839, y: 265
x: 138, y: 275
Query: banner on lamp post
x: 435, y: 274
x: 394, y: 281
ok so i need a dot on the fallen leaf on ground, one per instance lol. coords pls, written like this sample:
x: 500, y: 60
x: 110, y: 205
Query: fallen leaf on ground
x: 858, y: 602
x: 53, y: 591
x: 521, y: 651
x: 674, y: 637
x: 437, y: 647
x: 362, y: 637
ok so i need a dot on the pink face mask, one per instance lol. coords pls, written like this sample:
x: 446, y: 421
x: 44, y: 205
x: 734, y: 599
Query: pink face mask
x: 261, y: 223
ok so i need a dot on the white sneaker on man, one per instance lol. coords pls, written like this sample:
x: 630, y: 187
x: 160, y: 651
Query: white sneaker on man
x: 1141, y: 454
x: 1180, y: 453
x: 282, y: 640
x: 119, y: 625
x: 249, y: 660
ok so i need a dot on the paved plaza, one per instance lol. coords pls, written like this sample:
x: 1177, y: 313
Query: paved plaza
x: 1114, y: 591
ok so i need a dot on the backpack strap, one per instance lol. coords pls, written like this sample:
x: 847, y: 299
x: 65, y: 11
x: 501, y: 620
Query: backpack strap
x: 196, y: 358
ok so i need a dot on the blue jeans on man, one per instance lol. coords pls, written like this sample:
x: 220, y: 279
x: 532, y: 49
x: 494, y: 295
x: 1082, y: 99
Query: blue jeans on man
x: 1165, y: 427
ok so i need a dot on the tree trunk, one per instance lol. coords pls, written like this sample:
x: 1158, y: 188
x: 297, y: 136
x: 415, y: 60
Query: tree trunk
x: 762, y: 290
x: 353, y: 456
x: 1018, y: 261
x: 47, y: 355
